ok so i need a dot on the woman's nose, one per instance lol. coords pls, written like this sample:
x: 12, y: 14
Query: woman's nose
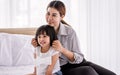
x: 49, y: 17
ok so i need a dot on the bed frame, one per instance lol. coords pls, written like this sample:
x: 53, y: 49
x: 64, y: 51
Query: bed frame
x: 26, y: 31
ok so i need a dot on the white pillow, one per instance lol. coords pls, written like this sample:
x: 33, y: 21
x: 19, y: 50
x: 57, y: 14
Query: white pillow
x: 5, y: 50
x: 21, y: 49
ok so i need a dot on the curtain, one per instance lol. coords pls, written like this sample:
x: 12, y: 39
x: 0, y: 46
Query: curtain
x: 4, y: 13
x: 103, y: 33
x: 29, y: 13
x: 22, y: 13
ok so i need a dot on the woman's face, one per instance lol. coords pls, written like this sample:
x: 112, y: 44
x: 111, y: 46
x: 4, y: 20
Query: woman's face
x: 53, y: 17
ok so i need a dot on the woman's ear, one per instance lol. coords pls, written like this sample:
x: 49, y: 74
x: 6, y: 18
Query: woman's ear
x: 62, y: 16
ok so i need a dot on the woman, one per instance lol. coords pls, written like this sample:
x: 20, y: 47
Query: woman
x: 71, y: 60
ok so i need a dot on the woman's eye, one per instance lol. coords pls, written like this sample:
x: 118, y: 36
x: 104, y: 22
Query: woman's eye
x: 54, y: 15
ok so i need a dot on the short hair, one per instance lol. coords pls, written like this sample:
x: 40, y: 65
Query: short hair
x: 49, y: 30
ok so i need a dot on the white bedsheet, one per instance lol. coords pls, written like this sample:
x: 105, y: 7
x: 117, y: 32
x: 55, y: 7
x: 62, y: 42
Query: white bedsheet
x: 16, y: 70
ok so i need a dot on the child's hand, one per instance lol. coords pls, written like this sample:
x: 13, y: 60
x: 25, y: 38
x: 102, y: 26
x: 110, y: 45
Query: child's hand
x: 49, y: 70
x: 34, y: 42
x: 31, y: 74
x: 48, y: 73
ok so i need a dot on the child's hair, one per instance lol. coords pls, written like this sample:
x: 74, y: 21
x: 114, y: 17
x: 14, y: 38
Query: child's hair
x: 49, y: 30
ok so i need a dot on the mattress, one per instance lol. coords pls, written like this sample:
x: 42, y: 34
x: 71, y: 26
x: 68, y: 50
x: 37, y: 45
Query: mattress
x: 16, y: 70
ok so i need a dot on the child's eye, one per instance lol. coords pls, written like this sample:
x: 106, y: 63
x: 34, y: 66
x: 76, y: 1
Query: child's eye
x: 44, y: 36
x: 39, y: 37
x: 54, y: 15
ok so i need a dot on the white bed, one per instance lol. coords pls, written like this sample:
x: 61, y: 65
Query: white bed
x: 16, y: 70
x: 16, y: 51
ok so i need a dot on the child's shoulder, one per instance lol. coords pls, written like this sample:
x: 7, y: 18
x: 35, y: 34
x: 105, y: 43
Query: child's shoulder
x: 53, y: 51
x: 37, y: 50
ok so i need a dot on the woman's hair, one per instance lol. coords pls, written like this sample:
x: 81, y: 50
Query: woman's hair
x: 49, y: 30
x: 59, y: 6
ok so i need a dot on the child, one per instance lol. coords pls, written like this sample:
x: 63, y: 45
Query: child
x: 47, y: 59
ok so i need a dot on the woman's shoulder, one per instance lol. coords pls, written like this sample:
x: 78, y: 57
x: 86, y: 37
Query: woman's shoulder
x: 69, y: 29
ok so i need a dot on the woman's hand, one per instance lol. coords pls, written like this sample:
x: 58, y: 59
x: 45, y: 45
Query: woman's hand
x: 57, y: 45
x: 34, y: 42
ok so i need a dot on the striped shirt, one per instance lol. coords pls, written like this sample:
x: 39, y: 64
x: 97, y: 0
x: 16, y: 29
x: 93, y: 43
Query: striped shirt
x: 69, y: 40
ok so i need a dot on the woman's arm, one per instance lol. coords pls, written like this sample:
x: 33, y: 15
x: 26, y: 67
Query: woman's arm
x: 51, y: 67
x: 71, y: 48
x: 68, y: 54
x: 57, y: 45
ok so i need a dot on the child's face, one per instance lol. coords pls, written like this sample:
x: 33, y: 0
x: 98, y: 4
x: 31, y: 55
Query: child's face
x: 43, y: 40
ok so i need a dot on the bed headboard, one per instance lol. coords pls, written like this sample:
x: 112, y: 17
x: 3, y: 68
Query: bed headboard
x: 26, y: 31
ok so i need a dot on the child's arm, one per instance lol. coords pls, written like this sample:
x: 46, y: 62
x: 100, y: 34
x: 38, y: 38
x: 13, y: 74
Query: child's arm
x: 35, y: 56
x: 34, y: 71
x: 51, y: 67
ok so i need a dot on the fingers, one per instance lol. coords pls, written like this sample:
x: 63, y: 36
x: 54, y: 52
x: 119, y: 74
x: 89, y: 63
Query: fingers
x: 57, y: 45
x: 54, y: 46
x: 34, y: 42
x: 55, y: 42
